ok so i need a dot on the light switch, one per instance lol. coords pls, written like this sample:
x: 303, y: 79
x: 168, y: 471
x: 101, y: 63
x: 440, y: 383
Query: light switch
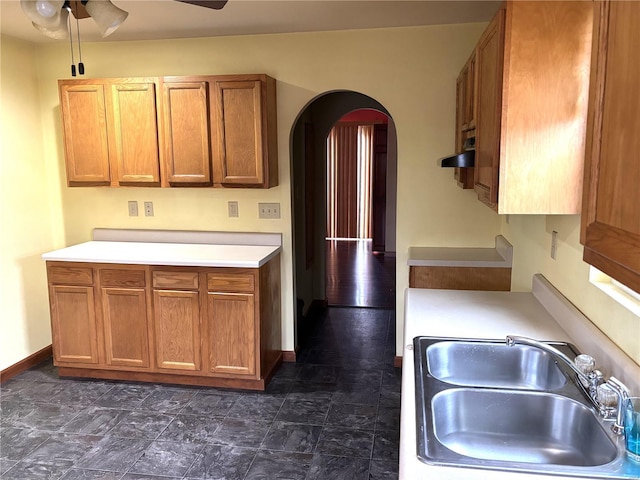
x: 268, y: 210
x: 133, y: 208
x: 233, y: 209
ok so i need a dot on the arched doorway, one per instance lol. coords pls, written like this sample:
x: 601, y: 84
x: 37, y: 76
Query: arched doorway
x: 309, y: 195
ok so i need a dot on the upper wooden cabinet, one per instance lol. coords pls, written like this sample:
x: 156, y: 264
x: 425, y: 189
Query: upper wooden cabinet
x: 171, y: 131
x: 246, y: 132
x: 132, y: 108
x: 110, y: 131
x: 84, y: 119
x: 465, y: 117
x: 610, y: 229
x: 532, y: 71
x: 490, y: 58
x: 186, y: 132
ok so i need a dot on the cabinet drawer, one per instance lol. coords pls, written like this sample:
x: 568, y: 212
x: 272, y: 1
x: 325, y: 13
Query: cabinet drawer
x: 71, y: 275
x: 220, y: 282
x: 175, y: 280
x: 112, y: 277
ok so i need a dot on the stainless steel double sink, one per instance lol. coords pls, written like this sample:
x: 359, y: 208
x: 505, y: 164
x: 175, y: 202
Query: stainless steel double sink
x: 484, y: 404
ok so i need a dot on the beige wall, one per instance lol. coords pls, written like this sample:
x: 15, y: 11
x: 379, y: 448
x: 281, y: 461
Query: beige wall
x: 415, y: 82
x: 531, y: 237
x: 411, y: 71
x: 29, y: 214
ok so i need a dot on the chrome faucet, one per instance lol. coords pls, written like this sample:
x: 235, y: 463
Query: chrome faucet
x: 589, y: 378
x: 623, y: 393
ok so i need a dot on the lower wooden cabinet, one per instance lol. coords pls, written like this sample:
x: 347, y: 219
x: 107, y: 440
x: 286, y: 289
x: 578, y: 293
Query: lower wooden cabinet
x: 73, y: 322
x: 187, y: 325
x: 461, y: 278
x: 176, y: 301
x: 123, y: 296
x: 231, y: 333
x: 124, y: 314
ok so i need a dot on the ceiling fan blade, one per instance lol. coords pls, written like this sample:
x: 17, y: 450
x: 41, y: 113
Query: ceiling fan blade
x: 215, y: 4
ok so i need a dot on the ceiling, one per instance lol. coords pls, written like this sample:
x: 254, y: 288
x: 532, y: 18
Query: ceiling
x: 167, y: 19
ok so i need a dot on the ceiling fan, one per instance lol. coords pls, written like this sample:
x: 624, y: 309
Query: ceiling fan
x: 51, y: 17
x: 215, y: 4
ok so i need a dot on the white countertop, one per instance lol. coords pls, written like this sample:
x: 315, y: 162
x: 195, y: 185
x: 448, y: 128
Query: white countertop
x: 500, y: 256
x: 484, y: 315
x: 180, y: 254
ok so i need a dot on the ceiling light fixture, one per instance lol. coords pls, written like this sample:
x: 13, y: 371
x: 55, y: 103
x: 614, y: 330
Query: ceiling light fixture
x: 50, y: 16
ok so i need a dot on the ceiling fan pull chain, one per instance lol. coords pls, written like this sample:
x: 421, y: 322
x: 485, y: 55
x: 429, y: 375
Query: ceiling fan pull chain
x: 73, y: 63
x: 80, y: 64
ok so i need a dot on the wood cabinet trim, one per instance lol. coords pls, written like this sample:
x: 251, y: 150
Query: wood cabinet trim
x: 231, y: 282
x: 178, y: 280
x: 64, y: 275
x: 123, y: 277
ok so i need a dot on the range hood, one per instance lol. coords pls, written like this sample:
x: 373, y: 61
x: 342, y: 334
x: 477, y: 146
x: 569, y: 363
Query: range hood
x: 462, y: 160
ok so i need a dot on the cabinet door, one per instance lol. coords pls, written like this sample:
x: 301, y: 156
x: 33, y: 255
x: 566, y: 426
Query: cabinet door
x: 240, y: 159
x: 460, y: 110
x: 611, y: 201
x: 125, y: 326
x: 489, y: 61
x: 187, y: 133
x: 73, y: 324
x: 85, y: 134
x: 470, y: 93
x: 465, y: 119
x: 135, y: 133
x: 231, y: 333
x: 177, y: 328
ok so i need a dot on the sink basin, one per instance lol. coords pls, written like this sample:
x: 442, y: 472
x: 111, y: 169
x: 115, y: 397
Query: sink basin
x: 515, y: 426
x: 493, y: 364
x: 482, y: 404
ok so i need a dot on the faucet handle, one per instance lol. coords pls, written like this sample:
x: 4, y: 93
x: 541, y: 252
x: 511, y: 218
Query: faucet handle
x: 585, y: 363
x: 607, y: 396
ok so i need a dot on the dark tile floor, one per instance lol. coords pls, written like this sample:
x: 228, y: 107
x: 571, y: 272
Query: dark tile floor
x: 333, y: 415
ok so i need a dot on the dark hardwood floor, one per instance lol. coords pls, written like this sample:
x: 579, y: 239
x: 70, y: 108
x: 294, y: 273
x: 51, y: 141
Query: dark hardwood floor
x: 355, y: 277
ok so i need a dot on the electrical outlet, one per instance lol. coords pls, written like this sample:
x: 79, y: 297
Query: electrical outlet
x: 268, y: 210
x: 148, y: 209
x: 133, y: 208
x: 233, y: 209
x: 554, y: 244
